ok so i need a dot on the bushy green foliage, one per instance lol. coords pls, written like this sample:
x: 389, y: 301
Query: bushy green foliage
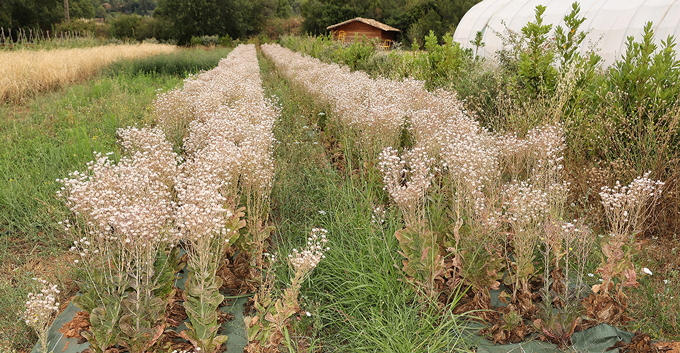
x: 445, y: 61
x: 438, y: 66
x: 226, y: 41
x: 81, y: 9
x: 76, y: 25
x: 236, y: 18
x: 100, y: 12
x: 535, y: 69
x: 135, y: 27
x: 638, y: 104
x: 206, y: 40
x: 566, y: 43
x: 358, y: 51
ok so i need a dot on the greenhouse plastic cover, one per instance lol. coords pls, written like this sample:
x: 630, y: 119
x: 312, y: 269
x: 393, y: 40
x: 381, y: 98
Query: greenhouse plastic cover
x: 608, y: 22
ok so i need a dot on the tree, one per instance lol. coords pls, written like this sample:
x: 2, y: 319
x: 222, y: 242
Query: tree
x: 80, y: 9
x: 284, y: 9
x: 100, y: 12
x: 237, y: 18
x: 15, y: 14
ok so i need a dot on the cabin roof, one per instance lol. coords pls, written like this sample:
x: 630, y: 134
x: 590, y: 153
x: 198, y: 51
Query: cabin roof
x: 368, y: 21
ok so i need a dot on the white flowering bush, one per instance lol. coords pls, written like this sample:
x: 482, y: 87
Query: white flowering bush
x: 40, y: 311
x: 268, y: 328
x: 407, y: 178
x: 626, y: 208
x: 124, y: 220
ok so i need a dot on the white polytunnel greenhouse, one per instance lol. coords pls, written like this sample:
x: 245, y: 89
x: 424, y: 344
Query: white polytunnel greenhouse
x: 607, y: 22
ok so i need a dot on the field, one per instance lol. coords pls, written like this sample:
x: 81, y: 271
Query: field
x: 27, y: 72
x: 358, y: 213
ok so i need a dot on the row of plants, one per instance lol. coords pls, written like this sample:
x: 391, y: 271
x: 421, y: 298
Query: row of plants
x: 620, y: 121
x: 458, y: 185
x: 181, y: 63
x: 198, y: 182
x: 357, y: 300
x: 437, y: 64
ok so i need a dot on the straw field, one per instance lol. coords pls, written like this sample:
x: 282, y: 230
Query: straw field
x: 24, y: 73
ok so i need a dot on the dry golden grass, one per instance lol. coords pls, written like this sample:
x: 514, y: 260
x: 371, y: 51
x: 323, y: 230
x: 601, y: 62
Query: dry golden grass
x: 26, y: 72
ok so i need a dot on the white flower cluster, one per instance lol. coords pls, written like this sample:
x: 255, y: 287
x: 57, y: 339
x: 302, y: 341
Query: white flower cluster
x: 629, y: 196
x: 439, y: 118
x: 378, y: 215
x: 152, y: 144
x: 626, y: 206
x: 128, y: 202
x: 407, y: 179
x: 306, y: 259
x: 525, y: 204
x: 472, y: 161
x: 540, y: 153
x: 41, y: 306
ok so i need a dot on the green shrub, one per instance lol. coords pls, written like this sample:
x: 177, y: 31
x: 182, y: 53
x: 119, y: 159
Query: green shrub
x: 135, y: 27
x: 196, y: 41
x: 210, y: 40
x: 77, y: 25
x: 358, y: 51
x: 444, y: 61
x: 638, y: 103
x: 226, y: 41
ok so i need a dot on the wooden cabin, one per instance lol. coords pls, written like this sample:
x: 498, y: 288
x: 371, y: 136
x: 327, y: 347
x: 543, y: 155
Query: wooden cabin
x: 345, y: 31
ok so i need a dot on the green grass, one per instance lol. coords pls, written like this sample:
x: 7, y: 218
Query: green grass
x: 179, y: 64
x: 44, y: 140
x: 58, y: 133
x: 357, y: 296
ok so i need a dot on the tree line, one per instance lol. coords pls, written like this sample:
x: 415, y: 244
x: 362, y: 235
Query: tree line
x: 415, y: 18
x: 181, y: 20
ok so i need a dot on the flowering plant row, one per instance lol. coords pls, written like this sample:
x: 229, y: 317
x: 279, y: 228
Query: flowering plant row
x: 503, y: 199
x: 199, y: 180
